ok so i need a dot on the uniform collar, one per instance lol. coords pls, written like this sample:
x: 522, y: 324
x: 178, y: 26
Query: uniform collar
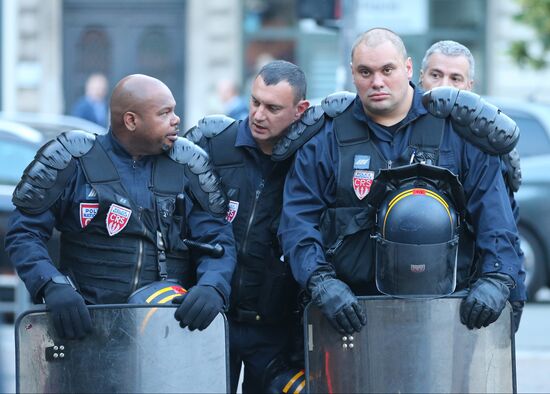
x: 111, y: 143
x: 244, y: 136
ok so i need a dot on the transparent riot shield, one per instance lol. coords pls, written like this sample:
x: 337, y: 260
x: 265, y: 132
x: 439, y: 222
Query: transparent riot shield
x: 133, y: 349
x: 410, y: 346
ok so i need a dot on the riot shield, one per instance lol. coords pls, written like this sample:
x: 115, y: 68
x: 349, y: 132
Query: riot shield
x: 133, y: 349
x: 410, y: 346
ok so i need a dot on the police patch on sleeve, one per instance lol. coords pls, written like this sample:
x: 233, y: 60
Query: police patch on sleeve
x: 88, y: 210
x: 117, y: 218
x: 232, y: 211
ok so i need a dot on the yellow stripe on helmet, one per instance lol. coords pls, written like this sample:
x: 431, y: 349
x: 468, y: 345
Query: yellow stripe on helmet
x: 410, y: 192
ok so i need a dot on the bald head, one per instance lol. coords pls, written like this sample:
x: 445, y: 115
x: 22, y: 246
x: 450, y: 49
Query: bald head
x: 132, y: 94
x: 143, y: 117
x: 377, y: 36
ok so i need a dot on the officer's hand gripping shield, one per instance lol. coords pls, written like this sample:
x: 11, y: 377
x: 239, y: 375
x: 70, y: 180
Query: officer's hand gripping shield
x: 417, y: 227
x: 410, y: 346
x: 133, y: 348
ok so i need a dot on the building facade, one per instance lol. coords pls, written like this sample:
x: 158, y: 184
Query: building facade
x: 49, y: 47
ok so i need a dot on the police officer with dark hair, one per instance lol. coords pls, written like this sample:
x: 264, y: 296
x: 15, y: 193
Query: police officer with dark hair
x: 326, y: 227
x: 252, y: 159
x: 124, y: 203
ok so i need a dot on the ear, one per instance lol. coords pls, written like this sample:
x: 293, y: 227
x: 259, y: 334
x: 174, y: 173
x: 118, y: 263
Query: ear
x: 409, y: 68
x: 130, y: 120
x: 301, y: 108
x: 471, y: 84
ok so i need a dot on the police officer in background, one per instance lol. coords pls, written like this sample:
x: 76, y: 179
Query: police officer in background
x: 123, y: 203
x: 263, y: 290
x: 332, y: 175
x: 449, y: 63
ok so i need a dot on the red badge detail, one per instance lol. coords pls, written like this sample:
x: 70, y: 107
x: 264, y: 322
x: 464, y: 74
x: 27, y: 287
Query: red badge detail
x: 419, y: 191
x: 417, y: 268
x: 87, y: 212
x: 232, y: 211
x: 117, y: 218
x: 362, y: 181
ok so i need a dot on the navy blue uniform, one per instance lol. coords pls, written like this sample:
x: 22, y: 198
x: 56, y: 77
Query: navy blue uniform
x: 262, y: 285
x: 28, y: 233
x: 311, y: 188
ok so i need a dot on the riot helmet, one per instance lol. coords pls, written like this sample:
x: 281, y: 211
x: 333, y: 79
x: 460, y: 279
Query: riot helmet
x: 417, y: 233
x: 159, y: 292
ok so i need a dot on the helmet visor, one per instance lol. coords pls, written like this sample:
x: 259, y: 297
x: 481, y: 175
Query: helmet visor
x: 416, y: 271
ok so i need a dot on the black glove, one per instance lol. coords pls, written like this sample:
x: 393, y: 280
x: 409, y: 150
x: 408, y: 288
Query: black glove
x: 68, y: 310
x: 337, y: 301
x: 517, y: 310
x: 486, y: 300
x: 198, y: 307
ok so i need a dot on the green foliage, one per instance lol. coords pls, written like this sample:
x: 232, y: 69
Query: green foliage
x: 535, y: 14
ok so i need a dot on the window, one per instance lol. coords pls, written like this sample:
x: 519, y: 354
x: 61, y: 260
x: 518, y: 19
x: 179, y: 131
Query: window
x: 534, y: 139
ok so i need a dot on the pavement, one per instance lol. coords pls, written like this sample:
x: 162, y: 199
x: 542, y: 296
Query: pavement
x: 533, y: 349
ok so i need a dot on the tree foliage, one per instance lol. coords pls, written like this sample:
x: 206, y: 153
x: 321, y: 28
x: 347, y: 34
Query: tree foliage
x: 535, y: 14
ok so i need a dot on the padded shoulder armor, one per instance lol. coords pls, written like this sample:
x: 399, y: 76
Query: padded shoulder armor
x: 209, y: 126
x: 513, y: 170
x: 336, y: 103
x: 299, y: 133
x: 45, y: 177
x: 476, y: 120
x: 205, y: 183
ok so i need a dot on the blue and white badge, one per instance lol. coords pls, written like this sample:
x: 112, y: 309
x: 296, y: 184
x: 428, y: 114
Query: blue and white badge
x: 361, y: 162
x: 232, y: 211
x: 91, y: 194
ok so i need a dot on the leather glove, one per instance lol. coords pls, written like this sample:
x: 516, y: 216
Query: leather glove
x: 336, y: 301
x: 68, y: 310
x: 517, y: 310
x: 198, y: 307
x: 486, y: 300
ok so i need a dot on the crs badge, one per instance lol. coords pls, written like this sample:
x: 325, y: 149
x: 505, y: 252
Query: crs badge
x: 362, y: 181
x: 232, y: 211
x: 117, y: 218
x: 88, y: 210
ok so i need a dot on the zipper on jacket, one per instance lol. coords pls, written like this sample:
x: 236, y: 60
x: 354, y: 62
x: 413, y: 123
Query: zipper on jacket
x: 139, y: 263
x: 252, y: 214
x: 138, y: 266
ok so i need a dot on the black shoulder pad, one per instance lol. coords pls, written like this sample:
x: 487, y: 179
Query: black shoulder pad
x: 513, y: 169
x: 45, y: 177
x: 299, y: 133
x: 476, y: 120
x: 204, y: 182
x: 211, y: 126
x: 54, y: 154
x: 193, y: 134
x: 336, y: 103
x: 77, y: 142
x: 184, y: 150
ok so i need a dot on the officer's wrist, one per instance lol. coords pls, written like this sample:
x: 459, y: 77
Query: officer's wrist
x: 321, y: 274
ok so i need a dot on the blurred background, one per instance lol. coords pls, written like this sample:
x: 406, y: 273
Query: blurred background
x: 207, y: 51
